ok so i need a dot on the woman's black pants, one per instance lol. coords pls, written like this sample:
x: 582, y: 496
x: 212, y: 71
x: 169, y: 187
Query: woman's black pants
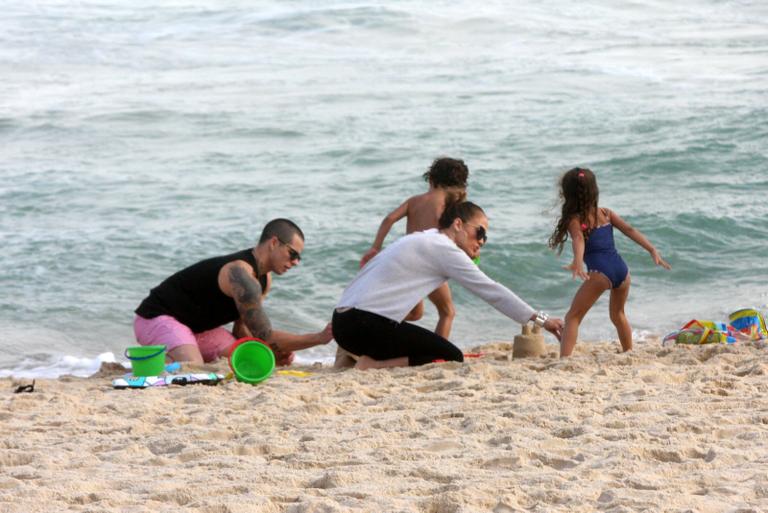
x: 365, y: 333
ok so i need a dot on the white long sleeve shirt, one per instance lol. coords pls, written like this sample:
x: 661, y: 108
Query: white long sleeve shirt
x: 410, y: 268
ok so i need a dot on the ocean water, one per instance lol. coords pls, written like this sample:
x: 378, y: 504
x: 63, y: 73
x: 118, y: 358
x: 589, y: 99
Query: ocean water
x: 137, y: 138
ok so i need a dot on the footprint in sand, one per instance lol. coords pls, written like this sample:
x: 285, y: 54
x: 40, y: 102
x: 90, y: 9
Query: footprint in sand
x: 180, y: 496
x: 679, y: 456
x: 162, y: 447
x: 569, y: 432
x: 445, y: 445
x: 508, y: 463
x: 15, y: 459
x: 431, y: 475
x: 557, y: 463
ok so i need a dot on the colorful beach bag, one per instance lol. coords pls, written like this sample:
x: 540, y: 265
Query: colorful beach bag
x: 701, y: 332
x: 749, y: 322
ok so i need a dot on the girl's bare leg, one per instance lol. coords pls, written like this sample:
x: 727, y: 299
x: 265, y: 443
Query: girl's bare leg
x: 589, y: 292
x: 618, y: 300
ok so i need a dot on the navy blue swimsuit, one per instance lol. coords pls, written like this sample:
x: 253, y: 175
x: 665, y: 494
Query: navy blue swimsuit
x: 601, y: 256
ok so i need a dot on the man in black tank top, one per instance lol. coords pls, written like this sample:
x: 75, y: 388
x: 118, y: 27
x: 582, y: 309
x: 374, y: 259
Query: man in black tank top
x: 188, y: 310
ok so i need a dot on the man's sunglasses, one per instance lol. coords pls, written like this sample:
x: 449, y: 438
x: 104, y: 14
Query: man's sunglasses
x: 295, y: 255
x: 480, y: 234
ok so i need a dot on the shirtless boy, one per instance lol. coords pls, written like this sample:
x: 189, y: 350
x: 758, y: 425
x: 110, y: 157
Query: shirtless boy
x: 447, y: 180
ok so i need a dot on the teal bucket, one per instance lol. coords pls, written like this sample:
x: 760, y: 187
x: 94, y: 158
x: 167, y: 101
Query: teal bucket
x: 146, y: 360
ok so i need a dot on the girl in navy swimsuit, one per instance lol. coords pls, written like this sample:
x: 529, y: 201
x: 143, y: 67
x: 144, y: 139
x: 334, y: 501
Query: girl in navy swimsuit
x: 591, y: 230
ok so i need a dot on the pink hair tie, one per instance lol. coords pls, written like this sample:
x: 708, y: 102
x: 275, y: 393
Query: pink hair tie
x: 583, y: 227
x: 581, y: 174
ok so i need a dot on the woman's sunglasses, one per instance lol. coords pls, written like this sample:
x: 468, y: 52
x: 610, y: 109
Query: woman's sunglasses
x: 480, y: 234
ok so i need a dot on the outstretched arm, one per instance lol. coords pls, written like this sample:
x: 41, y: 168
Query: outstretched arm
x: 639, y: 238
x: 386, y: 225
x: 292, y: 342
x: 457, y: 265
x: 577, y: 241
x: 288, y: 342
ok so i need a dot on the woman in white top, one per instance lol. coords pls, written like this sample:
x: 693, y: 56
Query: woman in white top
x: 368, y: 320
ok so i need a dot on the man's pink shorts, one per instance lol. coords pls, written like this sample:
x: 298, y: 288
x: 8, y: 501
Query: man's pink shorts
x: 166, y: 331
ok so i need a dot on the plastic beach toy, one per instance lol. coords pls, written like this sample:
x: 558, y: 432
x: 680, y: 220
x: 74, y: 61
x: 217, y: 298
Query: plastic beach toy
x: 140, y: 382
x: 750, y: 323
x: 296, y: 373
x: 251, y: 360
x: 146, y: 360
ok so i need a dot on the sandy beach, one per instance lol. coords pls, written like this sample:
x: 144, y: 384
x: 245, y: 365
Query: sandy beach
x: 681, y: 429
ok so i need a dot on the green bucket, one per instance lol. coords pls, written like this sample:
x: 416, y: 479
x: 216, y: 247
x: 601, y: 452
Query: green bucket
x: 251, y: 361
x: 146, y: 360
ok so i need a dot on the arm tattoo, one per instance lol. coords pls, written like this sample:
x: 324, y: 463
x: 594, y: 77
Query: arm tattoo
x: 246, y: 291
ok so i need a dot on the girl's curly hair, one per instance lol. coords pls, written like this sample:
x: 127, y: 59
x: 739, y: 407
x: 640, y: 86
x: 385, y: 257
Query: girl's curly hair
x: 579, y: 195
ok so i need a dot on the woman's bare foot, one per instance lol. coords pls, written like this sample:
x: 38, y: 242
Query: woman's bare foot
x: 344, y: 359
x: 366, y: 362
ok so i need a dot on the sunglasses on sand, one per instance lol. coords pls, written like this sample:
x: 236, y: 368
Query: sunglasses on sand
x: 25, y: 388
x: 480, y: 234
x: 292, y: 253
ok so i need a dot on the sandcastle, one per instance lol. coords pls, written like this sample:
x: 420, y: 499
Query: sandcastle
x: 529, y: 343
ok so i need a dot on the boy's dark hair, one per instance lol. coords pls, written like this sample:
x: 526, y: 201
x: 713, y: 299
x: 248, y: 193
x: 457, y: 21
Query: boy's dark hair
x: 283, y: 229
x: 447, y: 172
x: 579, y: 194
x: 465, y: 211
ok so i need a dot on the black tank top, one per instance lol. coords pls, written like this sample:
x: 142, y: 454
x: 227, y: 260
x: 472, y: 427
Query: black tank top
x: 192, y: 296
